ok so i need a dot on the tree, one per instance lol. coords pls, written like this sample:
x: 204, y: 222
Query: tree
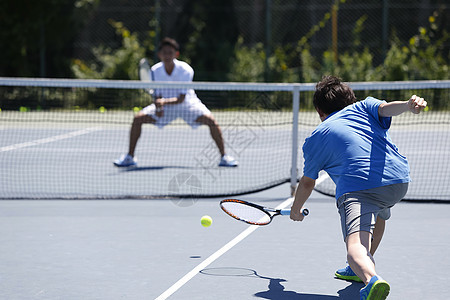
x: 36, y: 36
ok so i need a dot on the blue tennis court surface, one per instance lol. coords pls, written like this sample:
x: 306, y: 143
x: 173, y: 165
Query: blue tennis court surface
x: 140, y: 249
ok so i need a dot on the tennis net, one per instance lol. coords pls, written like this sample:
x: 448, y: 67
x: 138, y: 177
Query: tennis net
x: 59, y: 138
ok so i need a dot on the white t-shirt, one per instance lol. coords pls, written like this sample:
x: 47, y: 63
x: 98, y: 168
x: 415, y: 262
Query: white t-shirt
x: 181, y: 72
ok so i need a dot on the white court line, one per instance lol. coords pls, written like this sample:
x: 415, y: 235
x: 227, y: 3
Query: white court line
x: 177, y: 285
x: 49, y: 139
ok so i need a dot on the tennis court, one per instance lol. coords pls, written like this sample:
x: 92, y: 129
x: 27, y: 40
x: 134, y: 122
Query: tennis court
x: 67, y: 152
x: 72, y: 226
x: 77, y: 158
x: 65, y: 159
x: 138, y: 249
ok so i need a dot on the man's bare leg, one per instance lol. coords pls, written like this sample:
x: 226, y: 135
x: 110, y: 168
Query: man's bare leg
x: 358, y: 255
x: 136, y: 129
x: 377, y: 234
x: 215, y: 131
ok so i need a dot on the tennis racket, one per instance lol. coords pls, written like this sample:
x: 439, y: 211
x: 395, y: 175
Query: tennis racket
x: 252, y: 213
x: 144, y: 74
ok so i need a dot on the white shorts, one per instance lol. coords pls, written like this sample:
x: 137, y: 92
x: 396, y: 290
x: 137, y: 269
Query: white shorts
x: 189, y: 112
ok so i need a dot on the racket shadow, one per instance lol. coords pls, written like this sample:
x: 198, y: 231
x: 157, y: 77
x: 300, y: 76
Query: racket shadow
x: 276, y: 291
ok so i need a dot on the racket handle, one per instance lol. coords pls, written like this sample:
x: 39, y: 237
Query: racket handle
x: 284, y: 212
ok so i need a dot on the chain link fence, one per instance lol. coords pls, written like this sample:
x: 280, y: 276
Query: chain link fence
x: 320, y: 24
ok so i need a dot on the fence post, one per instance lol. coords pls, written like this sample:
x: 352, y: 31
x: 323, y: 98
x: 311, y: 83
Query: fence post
x: 295, y: 109
x: 385, y: 28
x: 268, y: 39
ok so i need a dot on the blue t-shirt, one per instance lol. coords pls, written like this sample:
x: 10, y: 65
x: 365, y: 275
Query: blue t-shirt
x: 353, y: 146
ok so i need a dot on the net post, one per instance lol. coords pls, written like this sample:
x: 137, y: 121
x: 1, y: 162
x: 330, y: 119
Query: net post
x: 295, y: 109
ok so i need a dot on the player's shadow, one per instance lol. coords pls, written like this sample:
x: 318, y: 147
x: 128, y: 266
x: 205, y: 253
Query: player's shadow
x: 133, y: 169
x: 351, y: 291
x: 155, y: 168
x: 277, y: 291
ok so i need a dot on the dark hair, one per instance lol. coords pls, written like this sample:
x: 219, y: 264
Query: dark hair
x: 169, y: 42
x: 332, y: 95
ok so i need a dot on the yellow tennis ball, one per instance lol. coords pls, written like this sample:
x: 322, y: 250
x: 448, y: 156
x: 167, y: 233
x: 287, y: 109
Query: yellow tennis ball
x: 206, y: 221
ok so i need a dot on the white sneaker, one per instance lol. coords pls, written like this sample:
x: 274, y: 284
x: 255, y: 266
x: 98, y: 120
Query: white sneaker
x: 228, y: 161
x: 125, y: 160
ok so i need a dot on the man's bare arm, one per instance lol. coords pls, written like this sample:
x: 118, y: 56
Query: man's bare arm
x: 304, y: 190
x: 415, y: 105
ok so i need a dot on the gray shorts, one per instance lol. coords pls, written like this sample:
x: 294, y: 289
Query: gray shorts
x: 359, y: 210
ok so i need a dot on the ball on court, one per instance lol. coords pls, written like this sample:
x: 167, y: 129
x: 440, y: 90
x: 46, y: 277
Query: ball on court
x: 206, y: 221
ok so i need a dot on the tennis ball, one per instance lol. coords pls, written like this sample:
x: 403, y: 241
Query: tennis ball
x: 101, y: 109
x: 206, y: 221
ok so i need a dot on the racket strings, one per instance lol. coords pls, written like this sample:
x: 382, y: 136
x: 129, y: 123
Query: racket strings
x: 246, y: 213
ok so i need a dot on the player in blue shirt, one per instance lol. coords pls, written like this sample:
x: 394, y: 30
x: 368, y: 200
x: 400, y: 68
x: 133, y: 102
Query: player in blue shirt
x: 353, y: 146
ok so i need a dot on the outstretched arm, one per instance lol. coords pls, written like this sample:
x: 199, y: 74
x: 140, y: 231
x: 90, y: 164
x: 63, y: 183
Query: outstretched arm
x: 415, y: 105
x: 304, y: 190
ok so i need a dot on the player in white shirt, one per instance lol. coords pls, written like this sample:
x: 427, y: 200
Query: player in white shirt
x: 171, y: 104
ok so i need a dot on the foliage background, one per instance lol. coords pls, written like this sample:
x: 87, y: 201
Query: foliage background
x: 237, y: 40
